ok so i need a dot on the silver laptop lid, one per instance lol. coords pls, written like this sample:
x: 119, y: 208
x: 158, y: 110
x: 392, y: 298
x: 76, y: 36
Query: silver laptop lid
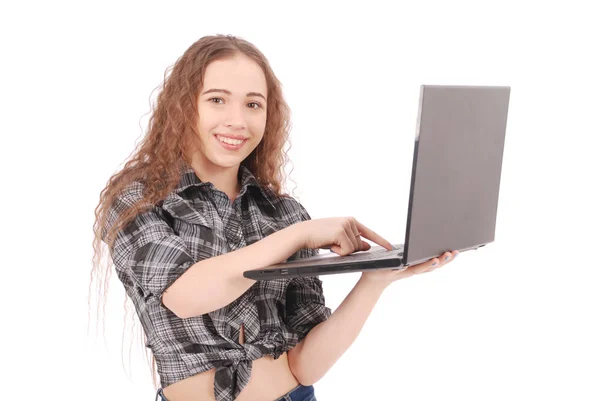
x: 457, y: 163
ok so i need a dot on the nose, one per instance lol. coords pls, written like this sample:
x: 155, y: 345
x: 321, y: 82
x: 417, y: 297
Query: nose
x: 235, y: 119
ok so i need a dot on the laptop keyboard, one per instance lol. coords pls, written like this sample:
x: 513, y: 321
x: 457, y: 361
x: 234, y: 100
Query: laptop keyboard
x: 376, y: 253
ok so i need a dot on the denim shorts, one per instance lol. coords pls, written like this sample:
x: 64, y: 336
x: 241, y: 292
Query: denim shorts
x: 300, y: 393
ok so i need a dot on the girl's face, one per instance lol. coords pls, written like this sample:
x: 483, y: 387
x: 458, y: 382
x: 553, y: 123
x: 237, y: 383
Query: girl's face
x: 232, y: 110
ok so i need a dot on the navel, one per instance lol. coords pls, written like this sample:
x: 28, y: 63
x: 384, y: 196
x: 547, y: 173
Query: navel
x: 242, y: 334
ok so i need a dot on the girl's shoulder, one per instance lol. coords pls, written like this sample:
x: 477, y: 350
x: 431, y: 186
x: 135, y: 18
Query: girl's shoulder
x: 291, y: 208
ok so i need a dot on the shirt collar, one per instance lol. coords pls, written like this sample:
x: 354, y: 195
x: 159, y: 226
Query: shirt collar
x: 247, y: 179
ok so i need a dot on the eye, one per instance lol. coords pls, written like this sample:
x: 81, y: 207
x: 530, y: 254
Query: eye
x: 258, y: 105
x: 213, y: 98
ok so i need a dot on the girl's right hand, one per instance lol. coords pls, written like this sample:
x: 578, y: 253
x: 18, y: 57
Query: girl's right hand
x: 341, y: 234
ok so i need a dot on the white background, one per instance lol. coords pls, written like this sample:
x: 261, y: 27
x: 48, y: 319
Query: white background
x: 517, y: 319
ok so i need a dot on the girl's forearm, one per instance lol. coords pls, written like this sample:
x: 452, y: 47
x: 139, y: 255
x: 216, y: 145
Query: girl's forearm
x: 326, y: 342
x: 219, y: 280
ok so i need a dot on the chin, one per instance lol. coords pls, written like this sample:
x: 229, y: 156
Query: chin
x: 226, y: 162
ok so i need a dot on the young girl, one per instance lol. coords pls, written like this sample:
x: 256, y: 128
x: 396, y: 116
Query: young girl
x: 200, y: 202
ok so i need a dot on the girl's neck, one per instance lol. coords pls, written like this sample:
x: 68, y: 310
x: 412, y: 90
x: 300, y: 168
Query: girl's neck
x: 225, y: 179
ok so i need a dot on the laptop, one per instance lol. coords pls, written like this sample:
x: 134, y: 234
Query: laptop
x: 454, y: 187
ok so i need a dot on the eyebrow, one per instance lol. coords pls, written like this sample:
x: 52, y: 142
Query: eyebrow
x: 229, y: 93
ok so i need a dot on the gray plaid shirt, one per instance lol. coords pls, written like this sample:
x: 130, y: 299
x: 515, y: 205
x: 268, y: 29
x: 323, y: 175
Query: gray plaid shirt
x: 194, y: 222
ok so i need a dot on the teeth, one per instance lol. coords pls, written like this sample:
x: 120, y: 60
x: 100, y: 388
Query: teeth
x: 229, y: 140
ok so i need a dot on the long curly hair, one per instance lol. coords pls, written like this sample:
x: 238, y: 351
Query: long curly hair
x: 160, y: 156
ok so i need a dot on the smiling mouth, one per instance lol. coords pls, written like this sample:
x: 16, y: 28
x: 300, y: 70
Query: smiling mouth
x: 230, y: 142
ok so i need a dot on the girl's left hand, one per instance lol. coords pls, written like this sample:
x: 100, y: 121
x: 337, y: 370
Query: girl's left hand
x: 388, y: 276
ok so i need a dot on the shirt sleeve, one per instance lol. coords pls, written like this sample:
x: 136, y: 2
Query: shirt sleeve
x: 305, y: 305
x: 305, y: 300
x: 146, y: 252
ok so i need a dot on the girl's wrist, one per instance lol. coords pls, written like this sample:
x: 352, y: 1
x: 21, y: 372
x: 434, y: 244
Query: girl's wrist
x: 293, y: 237
x: 373, y: 284
x: 298, y: 233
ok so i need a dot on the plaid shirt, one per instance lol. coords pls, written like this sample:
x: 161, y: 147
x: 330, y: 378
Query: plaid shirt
x: 194, y: 222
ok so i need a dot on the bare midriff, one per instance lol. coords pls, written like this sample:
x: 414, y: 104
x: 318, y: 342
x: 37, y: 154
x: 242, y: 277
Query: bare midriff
x: 270, y: 379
